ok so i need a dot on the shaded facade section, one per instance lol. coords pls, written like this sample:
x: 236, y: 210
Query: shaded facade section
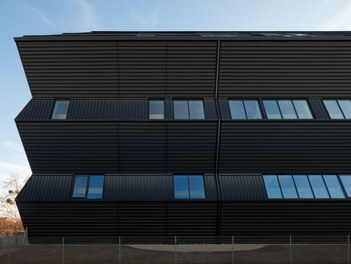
x: 285, y: 147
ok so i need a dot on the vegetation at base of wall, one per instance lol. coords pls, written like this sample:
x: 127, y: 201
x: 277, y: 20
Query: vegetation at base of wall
x: 10, y: 226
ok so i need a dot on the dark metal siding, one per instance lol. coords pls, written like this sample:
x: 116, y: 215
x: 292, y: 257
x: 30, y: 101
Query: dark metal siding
x: 37, y: 109
x: 71, y: 69
x: 242, y: 187
x: 285, y: 68
x: 191, y: 147
x: 70, y: 147
x: 318, y: 108
x: 285, y: 147
x: 46, y: 188
x: 285, y: 218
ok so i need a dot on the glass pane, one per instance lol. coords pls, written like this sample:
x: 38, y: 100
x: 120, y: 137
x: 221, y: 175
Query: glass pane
x: 288, y: 187
x: 272, y: 109
x: 303, y: 186
x: 318, y: 186
x: 181, y: 187
x: 346, y: 108
x: 96, y: 185
x: 252, y: 109
x: 333, y: 109
x: 181, y: 110
x: 287, y: 109
x: 333, y: 186
x: 197, y: 189
x: 60, y: 110
x: 237, y: 110
x: 196, y: 109
x: 302, y: 109
x: 272, y: 186
x: 346, y: 181
x: 80, y: 186
x: 156, y: 109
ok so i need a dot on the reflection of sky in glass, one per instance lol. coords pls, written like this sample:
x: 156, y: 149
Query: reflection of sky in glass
x: 181, y: 188
x: 252, y: 109
x: 237, y: 109
x: 303, y: 186
x: 346, y: 181
x: 333, y: 109
x: 318, y: 186
x: 272, y: 109
x: 80, y: 186
x: 96, y: 185
x: 60, y: 110
x: 272, y: 186
x: 156, y: 109
x: 181, y: 110
x: 287, y: 109
x: 302, y: 109
x: 288, y: 187
x: 196, y: 109
x: 334, y: 187
x: 345, y: 107
x: 197, y: 189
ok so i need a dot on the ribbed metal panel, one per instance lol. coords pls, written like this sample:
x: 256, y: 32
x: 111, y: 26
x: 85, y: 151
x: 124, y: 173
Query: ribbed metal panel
x: 71, y: 69
x: 224, y: 108
x: 210, y: 187
x: 318, y: 108
x: 191, y: 147
x: 285, y: 218
x: 70, y: 147
x: 191, y: 68
x: 138, y: 188
x: 210, y: 110
x: 242, y: 187
x: 37, y: 109
x: 289, y: 68
x: 285, y: 147
x: 142, y: 147
x: 108, y: 110
x: 46, y: 188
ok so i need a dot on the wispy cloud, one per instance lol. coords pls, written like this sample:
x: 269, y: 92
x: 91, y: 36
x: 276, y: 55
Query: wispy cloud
x: 7, y: 169
x: 37, y: 13
x: 149, y: 21
x: 86, y: 17
x: 340, y: 21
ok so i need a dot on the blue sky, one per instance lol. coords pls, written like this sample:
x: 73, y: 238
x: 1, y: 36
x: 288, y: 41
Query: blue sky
x: 24, y: 17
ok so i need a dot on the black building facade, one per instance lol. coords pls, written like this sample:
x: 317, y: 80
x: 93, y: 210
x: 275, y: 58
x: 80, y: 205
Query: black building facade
x: 186, y: 133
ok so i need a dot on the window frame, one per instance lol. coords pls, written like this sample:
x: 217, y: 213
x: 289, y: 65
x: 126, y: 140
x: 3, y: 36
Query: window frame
x: 344, y: 116
x: 87, y: 186
x: 189, y: 188
x: 280, y: 110
x: 55, y: 105
x: 188, y: 109
x: 243, y: 101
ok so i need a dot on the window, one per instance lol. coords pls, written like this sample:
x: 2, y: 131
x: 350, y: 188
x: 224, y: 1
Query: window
x: 60, y: 109
x: 189, y: 187
x: 245, y: 109
x: 338, y: 109
x: 287, y: 109
x: 318, y: 186
x: 156, y: 109
x: 94, y: 183
x: 333, y: 186
x: 346, y: 182
x: 303, y: 187
x: 188, y: 109
x: 288, y: 186
x: 307, y: 186
x: 272, y: 186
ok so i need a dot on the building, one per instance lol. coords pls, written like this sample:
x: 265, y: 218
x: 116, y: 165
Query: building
x: 141, y: 134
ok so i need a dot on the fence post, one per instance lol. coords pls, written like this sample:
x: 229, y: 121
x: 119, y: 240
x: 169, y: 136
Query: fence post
x: 348, y: 249
x: 24, y: 236
x: 290, y: 250
x: 119, y: 251
x: 63, y: 250
x: 232, y: 249
x: 175, y: 250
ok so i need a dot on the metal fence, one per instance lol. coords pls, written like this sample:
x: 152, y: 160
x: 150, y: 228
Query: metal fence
x: 179, y: 250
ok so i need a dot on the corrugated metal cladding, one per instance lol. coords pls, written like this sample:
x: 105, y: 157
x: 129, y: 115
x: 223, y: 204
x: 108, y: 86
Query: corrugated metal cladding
x: 285, y: 147
x: 285, y: 68
x: 120, y: 69
x: 238, y: 187
x: 126, y: 147
x: 67, y: 147
x: 46, y: 188
x: 318, y: 108
x: 104, y: 110
x: 48, y: 221
x: 286, y: 218
x: 39, y: 109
